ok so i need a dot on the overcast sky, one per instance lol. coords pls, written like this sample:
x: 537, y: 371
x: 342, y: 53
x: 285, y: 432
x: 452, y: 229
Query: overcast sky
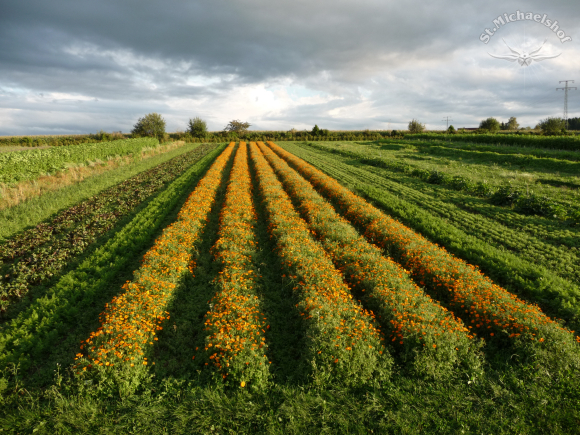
x: 69, y: 67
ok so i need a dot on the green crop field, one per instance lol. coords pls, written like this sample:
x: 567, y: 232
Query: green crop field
x: 390, y: 286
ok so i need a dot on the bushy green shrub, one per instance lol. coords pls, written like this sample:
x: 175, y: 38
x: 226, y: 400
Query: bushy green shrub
x: 151, y: 125
x: 553, y: 126
x: 505, y: 195
x: 197, y: 127
x: 416, y: 127
x: 490, y: 124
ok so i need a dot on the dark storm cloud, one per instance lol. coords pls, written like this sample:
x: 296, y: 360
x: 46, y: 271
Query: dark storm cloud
x: 138, y: 56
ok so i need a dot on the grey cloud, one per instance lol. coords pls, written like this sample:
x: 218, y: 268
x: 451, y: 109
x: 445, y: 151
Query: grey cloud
x: 136, y: 56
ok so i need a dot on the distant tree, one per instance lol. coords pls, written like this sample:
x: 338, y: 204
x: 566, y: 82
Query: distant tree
x: 573, y: 123
x: 451, y: 130
x: 315, y: 130
x: 512, y: 124
x: 197, y: 127
x: 237, y: 126
x: 416, y: 127
x: 490, y: 124
x: 553, y: 126
x: 152, y: 125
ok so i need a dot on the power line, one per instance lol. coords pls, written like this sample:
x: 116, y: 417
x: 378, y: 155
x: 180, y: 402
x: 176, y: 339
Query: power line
x: 447, y: 119
x: 565, y: 89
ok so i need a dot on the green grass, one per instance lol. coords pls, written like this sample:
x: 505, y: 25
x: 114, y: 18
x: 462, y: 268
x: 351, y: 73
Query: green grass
x: 35, y: 210
x: 527, y: 140
x: 556, y: 178
x: 506, y: 397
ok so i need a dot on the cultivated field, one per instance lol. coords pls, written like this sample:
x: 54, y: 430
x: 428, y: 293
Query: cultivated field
x: 397, y: 286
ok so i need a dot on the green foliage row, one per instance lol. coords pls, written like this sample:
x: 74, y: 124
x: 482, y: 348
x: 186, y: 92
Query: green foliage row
x: 30, y: 164
x: 26, y: 338
x: 571, y: 143
x: 254, y: 136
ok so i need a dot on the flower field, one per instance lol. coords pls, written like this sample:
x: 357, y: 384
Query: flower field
x: 259, y: 292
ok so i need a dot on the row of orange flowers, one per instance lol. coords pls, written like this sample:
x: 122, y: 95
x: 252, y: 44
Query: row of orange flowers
x: 489, y: 310
x: 235, y: 345
x: 426, y: 335
x: 130, y: 321
x: 343, y: 341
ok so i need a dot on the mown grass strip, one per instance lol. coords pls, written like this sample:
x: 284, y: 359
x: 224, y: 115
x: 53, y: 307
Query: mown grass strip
x: 35, y: 331
x: 488, y: 309
x: 502, y: 195
x: 35, y: 256
x: 129, y: 322
x: 344, y: 342
x: 426, y: 336
x: 235, y: 345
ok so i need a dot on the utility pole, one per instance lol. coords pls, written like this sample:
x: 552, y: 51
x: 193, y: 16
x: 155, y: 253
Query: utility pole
x: 447, y: 119
x: 565, y: 89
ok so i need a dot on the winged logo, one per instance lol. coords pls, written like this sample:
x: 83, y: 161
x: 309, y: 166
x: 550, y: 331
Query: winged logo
x: 524, y: 58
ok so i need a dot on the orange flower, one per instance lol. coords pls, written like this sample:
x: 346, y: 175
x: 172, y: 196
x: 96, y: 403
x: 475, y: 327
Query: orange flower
x: 131, y: 319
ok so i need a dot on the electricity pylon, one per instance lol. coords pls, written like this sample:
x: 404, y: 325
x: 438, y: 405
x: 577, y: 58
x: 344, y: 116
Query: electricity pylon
x: 565, y: 89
